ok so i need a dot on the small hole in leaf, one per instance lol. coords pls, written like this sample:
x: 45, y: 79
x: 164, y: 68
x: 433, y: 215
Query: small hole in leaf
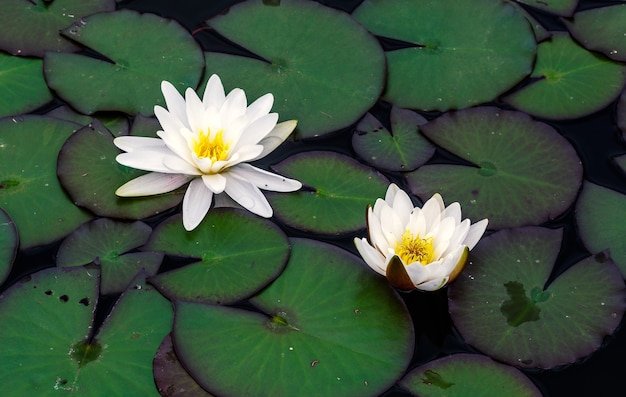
x: 48, y: 292
x: 64, y: 298
x: 84, y: 301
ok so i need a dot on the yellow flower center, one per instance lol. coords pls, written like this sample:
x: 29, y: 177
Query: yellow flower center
x: 415, y: 249
x: 215, y: 149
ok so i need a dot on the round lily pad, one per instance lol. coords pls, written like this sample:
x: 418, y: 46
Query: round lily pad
x: 106, y: 243
x: 459, y: 53
x: 610, y: 39
x: 52, y: 350
x: 29, y: 189
x: 89, y: 172
x: 597, y: 212
x: 117, y: 123
x: 324, y: 69
x: 236, y: 255
x: 345, y: 334
x: 171, y: 377
x: 569, y: 81
x: 502, y: 305
x: 22, y: 85
x: 461, y: 375
x: 404, y: 149
x: 30, y: 27
x: 9, y: 242
x: 130, y: 76
x: 558, y: 7
x: 337, y: 190
x: 524, y: 172
x: 541, y: 33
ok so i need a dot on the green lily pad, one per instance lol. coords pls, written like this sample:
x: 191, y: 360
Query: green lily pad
x: 129, y: 80
x: 324, y: 69
x: 51, y: 349
x: 558, y: 7
x: 541, y: 33
x: 29, y: 189
x: 597, y: 210
x: 344, y: 334
x: 337, y: 190
x: 145, y: 126
x: 462, y: 53
x: 30, y: 27
x: 22, y: 85
x: 89, y: 172
x: 106, y: 242
x: 237, y: 254
x: 502, y: 306
x: 116, y: 123
x: 570, y: 82
x: 461, y: 375
x: 610, y: 39
x: 9, y: 242
x: 171, y: 377
x: 524, y: 173
x: 404, y: 149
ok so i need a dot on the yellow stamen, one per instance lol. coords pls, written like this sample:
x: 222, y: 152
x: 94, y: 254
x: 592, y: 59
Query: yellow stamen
x: 215, y: 149
x: 415, y: 249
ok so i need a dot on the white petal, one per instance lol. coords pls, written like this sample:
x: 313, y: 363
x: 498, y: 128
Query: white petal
x: 392, y: 226
x: 146, y: 160
x: 132, y: 143
x: 257, y: 130
x: 417, y: 273
x: 169, y: 122
x: 177, y: 143
x: 276, y: 137
x: 375, y: 231
x: 152, y: 183
x: 441, y: 235
x: 177, y: 165
x: 174, y: 101
x: 370, y: 255
x: 378, y: 206
x: 196, y: 204
x: 432, y: 210
x: 234, y: 106
x: 213, y: 93
x: 214, y: 182
x: 433, y: 285
x: 249, y: 197
x: 454, y: 211
x: 417, y: 223
x: 449, y: 262
x: 390, y: 195
x: 459, y: 235
x: 263, y: 179
x: 475, y: 233
x: 402, y: 205
x: 260, y: 107
x: 195, y: 112
x: 244, y: 154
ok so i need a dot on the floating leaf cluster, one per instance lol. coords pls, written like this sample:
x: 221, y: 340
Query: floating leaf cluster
x: 497, y: 105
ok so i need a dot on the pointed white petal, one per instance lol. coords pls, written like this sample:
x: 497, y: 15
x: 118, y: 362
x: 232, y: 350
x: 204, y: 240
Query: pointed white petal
x: 277, y: 136
x: 174, y: 101
x: 454, y: 211
x: 133, y: 143
x: 370, y: 255
x: 249, y: 197
x: 146, y: 160
x: 376, y: 232
x: 417, y: 223
x: 196, y: 204
x: 213, y: 93
x: 177, y: 143
x: 257, y: 130
x: 441, y: 235
x: 433, y: 285
x: 152, y: 183
x: 234, y: 106
x: 260, y: 107
x: 417, y: 272
x: 432, y: 210
x: 390, y: 195
x: 392, y: 226
x: 179, y: 166
x: 214, y: 182
x: 195, y: 113
x: 475, y: 233
x: 263, y: 179
x: 402, y: 205
x: 169, y: 122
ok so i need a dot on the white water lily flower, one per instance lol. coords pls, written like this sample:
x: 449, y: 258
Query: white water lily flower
x: 208, y: 143
x: 423, y: 248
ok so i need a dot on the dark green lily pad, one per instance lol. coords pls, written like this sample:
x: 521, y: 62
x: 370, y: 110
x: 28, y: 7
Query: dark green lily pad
x: 237, y: 254
x: 337, y: 190
x: 106, y: 243
x: 598, y: 214
x: 570, y: 82
x: 9, y: 242
x: 22, y: 85
x: 462, y: 53
x: 49, y: 348
x: 502, y: 306
x: 116, y: 123
x: 29, y: 189
x: 155, y: 49
x: 30, y: 27
x: 461, y: 375
x: 610, y: 38
x: 525, y: 173
x: 541, y: 33
x: 404, y: 149
x: 344, y: 334
x: 324, y: 69
x: 171, y: 377
x: 89, y: 172
x: 145, y: 126
x: 558, y: 7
